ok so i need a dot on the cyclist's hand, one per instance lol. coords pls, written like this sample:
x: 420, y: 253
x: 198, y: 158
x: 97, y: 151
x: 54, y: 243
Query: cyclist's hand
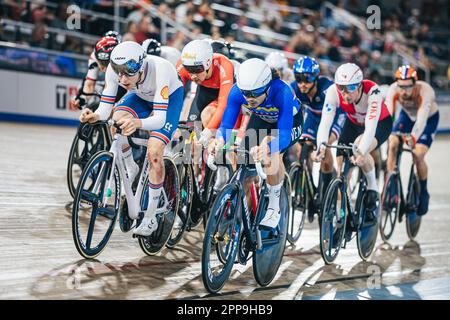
x: 319, y: 155
x: 410, y: 141
x: 215, y: 146
x: 261, y: 152
x: 128, y: 125
x: 87, y: 115
x: 205, y: 136
x: 76, y: 103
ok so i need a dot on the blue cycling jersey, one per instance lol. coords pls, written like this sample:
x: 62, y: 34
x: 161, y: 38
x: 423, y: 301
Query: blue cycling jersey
x: 279, y: 107
x: 314, y: 106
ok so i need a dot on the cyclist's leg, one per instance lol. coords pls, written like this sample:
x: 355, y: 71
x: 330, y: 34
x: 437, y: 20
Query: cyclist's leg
x: 382, y: 133
x: 159, y: 139
x: 131, y: 106
x: 421, y: 149
x: 403, y: 124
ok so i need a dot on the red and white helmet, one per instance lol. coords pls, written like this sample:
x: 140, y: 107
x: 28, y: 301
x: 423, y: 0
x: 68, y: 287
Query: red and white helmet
x: 347, y: 74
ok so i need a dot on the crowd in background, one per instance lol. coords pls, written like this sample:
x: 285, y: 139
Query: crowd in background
x: 421, y: 32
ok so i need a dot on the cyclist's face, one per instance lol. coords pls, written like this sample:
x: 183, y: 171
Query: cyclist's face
x: 351, y: 97
x: 254, y: 102
x: 129, y: 81
x: 405, y: 88
x: 305, y: 87
x: 199, y: 77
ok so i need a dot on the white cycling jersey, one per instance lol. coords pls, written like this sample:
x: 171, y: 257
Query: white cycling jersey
x: 367, y: 112
x: 158, y: 81
x: 421, y: 106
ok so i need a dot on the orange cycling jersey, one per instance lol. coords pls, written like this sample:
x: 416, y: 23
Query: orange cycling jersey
x: 221, y: 78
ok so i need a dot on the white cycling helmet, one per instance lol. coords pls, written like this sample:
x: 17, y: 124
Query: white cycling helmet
x: 277, y: 60
x: 348, y: 74
x: 254, y: 77
x: 128, y: 58
x: 196, y: 56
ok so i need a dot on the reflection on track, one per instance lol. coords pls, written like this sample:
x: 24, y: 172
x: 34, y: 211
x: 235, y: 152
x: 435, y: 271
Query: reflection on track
x: 39, y: 260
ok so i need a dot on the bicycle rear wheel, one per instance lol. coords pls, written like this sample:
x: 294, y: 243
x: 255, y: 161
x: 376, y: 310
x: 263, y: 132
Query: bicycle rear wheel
x: 91, y: 231
x: 82, y: 150
x: 267, y: 260
x: 222, y: 234
x: 298, y: 203
x: 390, y: 206
x: 154, y: 243
x: 412, y: 219
x: 332, y: 228
x: 184, y: 210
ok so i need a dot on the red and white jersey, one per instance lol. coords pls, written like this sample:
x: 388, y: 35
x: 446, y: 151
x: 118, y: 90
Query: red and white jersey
x: 367, y: 112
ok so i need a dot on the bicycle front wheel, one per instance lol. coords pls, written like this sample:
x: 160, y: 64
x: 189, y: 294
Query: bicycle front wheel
x: 412, y: 219
x: 267, y: 259
x: 333, y: 217
x: 390, y: 206
x: 222, y: 234
x: 92, y: 225
x: 298, y: 203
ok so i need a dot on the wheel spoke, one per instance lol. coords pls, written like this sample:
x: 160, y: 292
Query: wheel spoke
x: 90, y: 231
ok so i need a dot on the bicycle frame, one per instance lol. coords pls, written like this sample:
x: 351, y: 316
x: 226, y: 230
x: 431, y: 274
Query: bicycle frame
x: 404, y: 202
x: 133, y: 199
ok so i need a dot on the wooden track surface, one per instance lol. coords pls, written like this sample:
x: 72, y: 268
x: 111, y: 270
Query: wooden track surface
x: 38, y: 259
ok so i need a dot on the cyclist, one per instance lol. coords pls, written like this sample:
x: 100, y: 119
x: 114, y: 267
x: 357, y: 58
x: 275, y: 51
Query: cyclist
x: 154, y: 48
x: 310, y: 89
x: 226, y: 48
x: 154, y: 103
x: 419, y: 116
x: 213, y: 73
x: 278, y: 62
x: 368, y: 124
x: 274, y: 116
x: 98, y: 62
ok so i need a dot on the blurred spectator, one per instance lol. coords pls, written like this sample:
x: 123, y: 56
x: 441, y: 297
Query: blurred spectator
x: 146, y: 30
x: 38, y: 36
x: 182, y: 10
x: 132, y: 29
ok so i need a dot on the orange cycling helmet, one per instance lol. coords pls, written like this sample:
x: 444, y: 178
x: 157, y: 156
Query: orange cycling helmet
x: 406, y: 72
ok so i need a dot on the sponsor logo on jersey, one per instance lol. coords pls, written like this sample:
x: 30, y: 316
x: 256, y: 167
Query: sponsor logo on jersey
x: 165, y: 93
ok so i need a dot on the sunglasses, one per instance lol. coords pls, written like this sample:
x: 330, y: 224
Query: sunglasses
x: 408, y: 87
x: 305, y: 77
x: 194, y: 69
x: 348, y: 88
x: 255, y: 93
x: 128, y: 69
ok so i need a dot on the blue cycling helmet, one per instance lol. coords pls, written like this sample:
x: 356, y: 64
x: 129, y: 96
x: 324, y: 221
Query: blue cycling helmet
x: 307, y: 65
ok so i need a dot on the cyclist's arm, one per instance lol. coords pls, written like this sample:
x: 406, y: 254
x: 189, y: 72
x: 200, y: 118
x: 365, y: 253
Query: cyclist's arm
x: 428, y: 98
x: 285, y: 120
x: 375, y: 104
x: 235, y: 100
x: 226, y: 82
x: 160, y: 102
x: 390, y: 101
x: 328, y: 113
x: 182, y: 73
x: 108, y: 95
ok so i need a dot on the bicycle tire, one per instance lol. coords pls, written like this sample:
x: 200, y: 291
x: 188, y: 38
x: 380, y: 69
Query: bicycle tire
x: 83, y: 248
x: 295, y: 176
x: 390, y: 206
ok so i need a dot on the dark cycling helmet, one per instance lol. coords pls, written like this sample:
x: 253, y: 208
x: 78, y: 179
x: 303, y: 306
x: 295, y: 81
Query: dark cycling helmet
x: 114, y: 34
x: 152, y: 47
x: 222, y: 47
x: 103, y: 49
